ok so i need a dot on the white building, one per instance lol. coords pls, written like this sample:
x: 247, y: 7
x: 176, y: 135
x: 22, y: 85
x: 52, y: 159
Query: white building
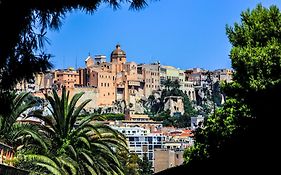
x: 141, y: 141
x: 197, y: 122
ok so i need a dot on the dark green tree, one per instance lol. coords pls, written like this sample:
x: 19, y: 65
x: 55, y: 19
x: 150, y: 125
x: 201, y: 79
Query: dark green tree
x: 217, y: 94
x: 168, y: 84
x: 131, y: 164
x: 145, y: 166
x: 232, y: 133
x: 230, y: 141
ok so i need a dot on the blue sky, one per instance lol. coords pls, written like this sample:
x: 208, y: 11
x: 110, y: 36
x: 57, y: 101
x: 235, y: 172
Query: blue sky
x: 181, y: 33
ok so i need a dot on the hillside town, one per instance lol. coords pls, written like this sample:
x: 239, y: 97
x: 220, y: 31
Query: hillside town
x: 119, y: 112
x: 134, y: 90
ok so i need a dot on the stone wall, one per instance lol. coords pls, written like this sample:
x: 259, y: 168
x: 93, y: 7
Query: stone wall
x: 89, y: 93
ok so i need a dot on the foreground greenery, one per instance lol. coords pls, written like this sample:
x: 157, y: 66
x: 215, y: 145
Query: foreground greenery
x: 66, y: 143
x: 241, y: 136
x: 20, y: 135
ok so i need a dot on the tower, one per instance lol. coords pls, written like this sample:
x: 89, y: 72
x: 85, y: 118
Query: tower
x: 118, y: 55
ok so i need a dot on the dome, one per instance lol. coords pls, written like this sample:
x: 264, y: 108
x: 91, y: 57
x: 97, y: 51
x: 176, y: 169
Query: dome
x: 117, y: 53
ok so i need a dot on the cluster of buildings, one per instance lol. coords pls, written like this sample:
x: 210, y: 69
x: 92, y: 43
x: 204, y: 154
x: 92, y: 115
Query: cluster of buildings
x: 107, y: 83
x: 163, y: 146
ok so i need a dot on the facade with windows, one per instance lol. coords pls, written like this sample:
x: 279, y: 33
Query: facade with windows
x: 142, y: 142
x: 172, y: 73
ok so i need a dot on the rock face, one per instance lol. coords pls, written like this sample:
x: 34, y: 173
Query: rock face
x: 139, y: 108
x: 174, y: 104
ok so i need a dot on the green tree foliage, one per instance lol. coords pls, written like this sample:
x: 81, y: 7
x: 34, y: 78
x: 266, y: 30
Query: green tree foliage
x: 172, y: 88
x: 242, y: 135
x: 217, y: 94
x: 76, y: 146
x: 131, y: 164
x: 20, y: 135
x: 145, y: 166
x: 229, y: 122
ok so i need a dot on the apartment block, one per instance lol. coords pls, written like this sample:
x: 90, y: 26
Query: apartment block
x: 142, y: 142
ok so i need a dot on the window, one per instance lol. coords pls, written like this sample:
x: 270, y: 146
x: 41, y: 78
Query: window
x: 131, y: 139
x: 157, y: 146
x: 158, y: 139
x: 137, y: 139
x: 101, y: 84
x: 150, y: 156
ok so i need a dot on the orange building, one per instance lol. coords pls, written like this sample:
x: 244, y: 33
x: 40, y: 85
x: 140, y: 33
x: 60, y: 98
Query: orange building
x: 149, y: 74
x: 66, y: 77
x: 115, y: 80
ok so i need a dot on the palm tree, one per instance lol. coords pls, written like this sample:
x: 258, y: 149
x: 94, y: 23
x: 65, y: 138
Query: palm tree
x: 79, y: 146
x: 19, y: 134
x: 168, y: 84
